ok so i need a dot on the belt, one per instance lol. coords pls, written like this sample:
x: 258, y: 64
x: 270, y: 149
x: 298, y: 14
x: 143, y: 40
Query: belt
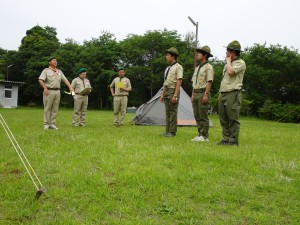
x: 199, y: 90
x: 79, y: 94
x: 56, y: 89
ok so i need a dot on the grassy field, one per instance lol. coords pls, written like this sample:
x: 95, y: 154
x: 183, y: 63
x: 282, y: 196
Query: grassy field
x: 99, y: 174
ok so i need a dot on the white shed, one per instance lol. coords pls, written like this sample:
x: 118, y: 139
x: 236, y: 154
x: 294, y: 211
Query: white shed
x: 9, y: 93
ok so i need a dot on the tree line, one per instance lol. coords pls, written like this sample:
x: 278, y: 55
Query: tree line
x: 271, y: 84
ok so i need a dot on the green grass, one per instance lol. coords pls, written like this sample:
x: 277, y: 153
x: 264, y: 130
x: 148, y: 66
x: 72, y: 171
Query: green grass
x: 132, y: 175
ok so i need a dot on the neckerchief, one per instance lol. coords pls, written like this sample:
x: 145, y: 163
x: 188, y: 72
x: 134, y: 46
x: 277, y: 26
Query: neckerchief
x: 166, y: 75
x: 199, y: 71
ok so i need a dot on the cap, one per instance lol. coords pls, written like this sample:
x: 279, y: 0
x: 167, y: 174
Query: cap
x: 50, y: 58
x: 173, y: 51
x: 205, y: 49
x: 120, y: 68
x: 234, y: 45
x: 82, y: 70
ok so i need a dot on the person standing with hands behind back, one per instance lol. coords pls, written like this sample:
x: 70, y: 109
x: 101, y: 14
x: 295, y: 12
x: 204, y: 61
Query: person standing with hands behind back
x: 202, y: 82
x: 120, y: 88
x: 171, y: 91
x: 230, y: 96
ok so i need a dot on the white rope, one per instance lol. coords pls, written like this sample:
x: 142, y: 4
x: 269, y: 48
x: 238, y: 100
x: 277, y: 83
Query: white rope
x: 14, y: 143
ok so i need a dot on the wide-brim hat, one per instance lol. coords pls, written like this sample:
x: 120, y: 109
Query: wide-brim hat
x: 205, y: 50
x: 173, y: 51
x: 234, y: 45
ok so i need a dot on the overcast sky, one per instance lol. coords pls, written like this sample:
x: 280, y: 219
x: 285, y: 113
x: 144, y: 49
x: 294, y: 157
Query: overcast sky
x: 220, y: 21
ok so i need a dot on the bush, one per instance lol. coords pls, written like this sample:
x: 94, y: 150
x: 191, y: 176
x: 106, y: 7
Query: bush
x: 280, y: 112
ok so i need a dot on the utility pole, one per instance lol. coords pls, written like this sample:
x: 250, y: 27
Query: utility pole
x: 196, y: 42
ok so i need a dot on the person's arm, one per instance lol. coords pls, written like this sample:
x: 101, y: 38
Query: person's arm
x: 207, y: 90
x: 177, y: 88
x: 229, y: 67
x: 69, y: 85
x: 192, y: 97
x: 42, y: 84
x: 161, y: 99
x: 128, y: 89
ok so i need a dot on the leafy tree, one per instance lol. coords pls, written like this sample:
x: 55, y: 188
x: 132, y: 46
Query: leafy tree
x: 38, y: 44
x: 273, y: 73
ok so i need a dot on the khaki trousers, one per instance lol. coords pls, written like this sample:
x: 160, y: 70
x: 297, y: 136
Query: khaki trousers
x: 120, y: 106
x: 201, y: 114
x: 229, y: 110
x: 51, y: 104
x: 80, y: 108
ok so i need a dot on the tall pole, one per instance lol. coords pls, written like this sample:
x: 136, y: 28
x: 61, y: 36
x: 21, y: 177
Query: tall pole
x: 196, y: 41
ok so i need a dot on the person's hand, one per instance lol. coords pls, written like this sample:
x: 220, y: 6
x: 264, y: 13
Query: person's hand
x: 113, y: 94
x: 46, y: 92
x: 161, y: 99
x: 205, y: 99
x: 174, y: 99
x: 228, y: 59
x: 192, y: 98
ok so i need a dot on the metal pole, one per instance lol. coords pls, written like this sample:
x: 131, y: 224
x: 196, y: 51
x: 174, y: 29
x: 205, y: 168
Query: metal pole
x: 196, y: 41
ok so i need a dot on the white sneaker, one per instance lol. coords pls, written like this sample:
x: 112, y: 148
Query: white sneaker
x: 201, y: 139
x: 46, y: 127
x: 53, y: 127
x: 196, y: 138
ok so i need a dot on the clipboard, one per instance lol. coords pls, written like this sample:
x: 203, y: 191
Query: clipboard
x: 119, y: 84
x: 85, y: 91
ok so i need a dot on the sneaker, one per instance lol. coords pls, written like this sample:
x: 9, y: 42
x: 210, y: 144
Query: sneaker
x: 122, y: 125
x: 53, y: 127
x: 82, y: 124
x: 201, y: 139
x: 116, y: 125
x: 171, y: 134
x: 46, y: 127
x: 76, y: 125
x: 196, y: 138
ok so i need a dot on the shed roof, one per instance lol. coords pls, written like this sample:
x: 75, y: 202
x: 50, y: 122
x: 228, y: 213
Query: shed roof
x: 11, y: 82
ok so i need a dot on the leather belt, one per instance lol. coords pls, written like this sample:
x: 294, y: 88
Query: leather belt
x: 199, y: 90
x: 56, y: 89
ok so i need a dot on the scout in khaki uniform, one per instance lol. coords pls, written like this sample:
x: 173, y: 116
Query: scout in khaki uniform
x: 202, y: 81
x: 120, y: 88
x: 82, y: 88
x: 170, y: 95
x: 50, y: 80
x: 230, y: 94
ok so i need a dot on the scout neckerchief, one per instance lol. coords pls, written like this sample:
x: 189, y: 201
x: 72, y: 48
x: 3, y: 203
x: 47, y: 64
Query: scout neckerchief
x: 166, y: 75
x: 199, y: 71
x: 82, y: 81
x: 56, y: 72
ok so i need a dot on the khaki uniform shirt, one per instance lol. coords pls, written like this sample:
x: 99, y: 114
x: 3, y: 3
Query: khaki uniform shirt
x: 206, y: 73
x: 52, y: 78
x: 235, y: 82
x: 118, y: 91
x: 175, y: 73
x: 79, y: 84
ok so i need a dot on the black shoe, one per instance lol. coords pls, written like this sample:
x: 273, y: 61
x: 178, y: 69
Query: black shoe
x: 232, y: 143
x: 223, y: 142
x: 171, y: 134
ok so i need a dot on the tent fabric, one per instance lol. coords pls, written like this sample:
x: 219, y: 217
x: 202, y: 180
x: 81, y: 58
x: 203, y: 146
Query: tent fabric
x: 153, y: 111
